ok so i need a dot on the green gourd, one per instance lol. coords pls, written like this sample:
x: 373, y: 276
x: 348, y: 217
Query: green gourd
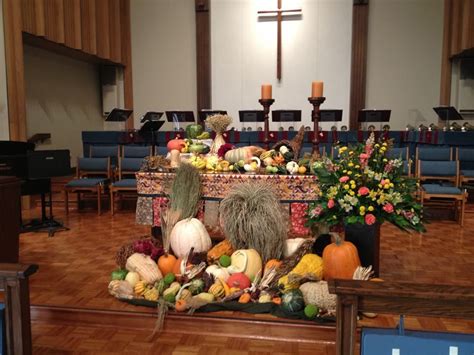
x: 292, y: 301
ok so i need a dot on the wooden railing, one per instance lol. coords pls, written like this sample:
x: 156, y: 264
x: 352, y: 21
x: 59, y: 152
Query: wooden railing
x: 14, y: 284
x: 395, y: 298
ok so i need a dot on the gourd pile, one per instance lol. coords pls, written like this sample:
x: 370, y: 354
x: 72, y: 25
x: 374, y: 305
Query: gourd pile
x: 296, y: 284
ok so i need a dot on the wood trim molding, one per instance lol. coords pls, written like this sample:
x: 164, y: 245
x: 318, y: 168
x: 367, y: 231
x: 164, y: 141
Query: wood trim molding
x: 360, y: 30
x: 445, y: 85
x: 203, y: 54
x: 15, y: 72
x: 126, y: 54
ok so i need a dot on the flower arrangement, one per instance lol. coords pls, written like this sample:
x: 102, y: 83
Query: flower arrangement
x: 365, y: 186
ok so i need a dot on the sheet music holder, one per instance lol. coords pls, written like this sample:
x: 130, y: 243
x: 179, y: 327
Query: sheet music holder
x: 151, y: 116
x: 180, y: 116
x: 118, y: 115
x: 251, y: 116
x: 330, y: 116
x: 447, y: 113
x: 286, y: 116
x: 203, y: 114
x: 374, y: 116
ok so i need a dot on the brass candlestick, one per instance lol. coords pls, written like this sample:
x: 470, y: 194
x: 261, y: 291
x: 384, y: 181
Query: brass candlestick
x: 316, y: 115
x: 266, y: 103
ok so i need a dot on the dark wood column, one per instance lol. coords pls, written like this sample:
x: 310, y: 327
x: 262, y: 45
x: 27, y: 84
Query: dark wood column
x: 360, y: 30
x: 203, y: 53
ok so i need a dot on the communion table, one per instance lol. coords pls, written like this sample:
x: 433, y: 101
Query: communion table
x: 295, y: 190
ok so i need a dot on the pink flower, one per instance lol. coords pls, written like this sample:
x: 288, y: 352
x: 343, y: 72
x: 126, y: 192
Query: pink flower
x: 363, y: 191
x: 363, y: 156
x: 344, y: 179
x: 331, y: 203
x: 388, y: 207
x: 370, y: 219
x: 315, y: 212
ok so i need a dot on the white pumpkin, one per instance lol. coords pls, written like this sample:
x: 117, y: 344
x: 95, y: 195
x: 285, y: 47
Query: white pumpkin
x: 292, y: 245
x: 247, y: 261
x: 218, y: 272
x: 187, y: 234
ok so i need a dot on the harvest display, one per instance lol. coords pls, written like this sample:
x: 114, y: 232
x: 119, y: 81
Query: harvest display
x: 256, y: 268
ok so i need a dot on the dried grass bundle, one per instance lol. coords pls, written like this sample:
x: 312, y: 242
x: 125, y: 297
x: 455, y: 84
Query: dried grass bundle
x: 218, y: 123
x: 185, y: 191
x: 251, y: 218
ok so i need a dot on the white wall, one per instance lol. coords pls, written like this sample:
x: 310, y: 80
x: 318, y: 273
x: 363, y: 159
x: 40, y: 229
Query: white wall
x: 315, y: 47
x: 4, y: 129
x: 404, y: 59
x: 62, y: 98
x: 163, y: 56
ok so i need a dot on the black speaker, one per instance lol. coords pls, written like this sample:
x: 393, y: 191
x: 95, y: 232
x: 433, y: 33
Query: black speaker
x: 49, y: 163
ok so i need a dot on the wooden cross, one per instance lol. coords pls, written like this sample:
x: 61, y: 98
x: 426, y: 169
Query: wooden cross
x: 279, y: 17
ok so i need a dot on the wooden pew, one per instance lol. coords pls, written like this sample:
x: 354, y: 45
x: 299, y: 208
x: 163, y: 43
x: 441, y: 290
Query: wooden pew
x: 14, y: 285
x: 394, y: 298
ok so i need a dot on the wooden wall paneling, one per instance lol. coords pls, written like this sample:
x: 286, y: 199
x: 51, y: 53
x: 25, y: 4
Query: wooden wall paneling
x: 88, y: 26
x: 115, y: 32
x: 33, y: 16
x: 467, y: 30
x: 126, y: 51
x: 360, y: 29
x: 14, y: 69
x: 455, y: 24
x: 102, y: 20
x: 203, y: 54
x: 445, y: 86
x: 54, y: 20
x: 72, y: 24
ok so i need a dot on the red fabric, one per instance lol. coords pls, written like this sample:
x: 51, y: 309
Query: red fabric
x: 158, y: 204
x: 298, y: 219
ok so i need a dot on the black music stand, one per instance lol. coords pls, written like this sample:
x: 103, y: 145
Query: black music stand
x: 118, y: 115
x: 286, y: 116
x: 180, y: 117
x: 447, y: 113
x: 43, y: 165
x: 251, y: 116
x: 151, y: 125
x: 330, y: 115
x: 374, y: 116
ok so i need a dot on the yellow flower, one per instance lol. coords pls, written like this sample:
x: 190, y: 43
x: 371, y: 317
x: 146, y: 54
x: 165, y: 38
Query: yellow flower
x: 371, y: 208
x: 352, y: 193
x: 384, y: 144
x: 352, y: 182
x: 387, y: 181
x: 346, y: 187
x: 383, y: 149
x: 386, y: 186
x: 380, y: 185
x: 342, y: 149
x: 391, y: 184
x: 349, y: 172
x: 351, y: 164
x: 344, y: 171
x: 357, y: 166
x: 351, y: 152
x: 362, y: 213
x: 385, y: 160
x: 377, y: 145
x: 362, y: 208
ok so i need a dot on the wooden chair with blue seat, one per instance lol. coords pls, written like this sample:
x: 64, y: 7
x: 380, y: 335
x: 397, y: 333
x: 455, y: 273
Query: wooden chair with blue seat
x: 466, y: 163
x: 136, y: 151
x: 433, y: 154
x: 440, y: 184
x: 92, y: 175
x: 106, y: 151
x: 126, y: 182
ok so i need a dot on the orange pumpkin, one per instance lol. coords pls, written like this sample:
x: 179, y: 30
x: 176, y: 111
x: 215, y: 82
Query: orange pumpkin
x: 276, y: 300
x: 279, y: 159
x: 272, y: 263
x: 177, y: 267
x: 166, y: 263
x: 340, y: 259
x: 175, y: 144
x: 180, y: 305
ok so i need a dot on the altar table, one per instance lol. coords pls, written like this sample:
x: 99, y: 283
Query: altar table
x: 296, y: 190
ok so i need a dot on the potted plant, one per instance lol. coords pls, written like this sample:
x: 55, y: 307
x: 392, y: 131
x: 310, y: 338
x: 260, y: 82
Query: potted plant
x: 361, y: 189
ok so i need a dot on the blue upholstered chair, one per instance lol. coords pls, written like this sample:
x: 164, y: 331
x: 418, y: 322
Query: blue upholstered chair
x: 127, y: 181
x: 106, y: 151
x: 432, y: 154
x: 466, y: 163
x: 136, y: 151
x: 440, y: 183
x: 92, y: 175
